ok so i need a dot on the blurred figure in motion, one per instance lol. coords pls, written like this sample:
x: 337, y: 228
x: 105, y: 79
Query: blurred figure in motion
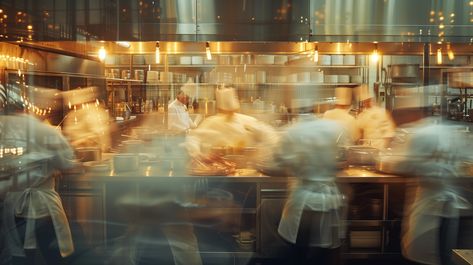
x: 433, y: 210
x: 341, y: 113
x: 178, y: 115
x: 312, y: 219
x: 87, y: 123
x: 374, y: 124
x: 33, y: 216
x: 231, y: 129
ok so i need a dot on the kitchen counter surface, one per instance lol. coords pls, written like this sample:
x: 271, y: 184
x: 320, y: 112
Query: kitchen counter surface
x: 351, y: 175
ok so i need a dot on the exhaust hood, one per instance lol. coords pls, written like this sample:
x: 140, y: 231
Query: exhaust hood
x: 240, y: 20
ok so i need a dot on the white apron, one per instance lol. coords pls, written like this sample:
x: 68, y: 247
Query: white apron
x: 420, y: 241
x: 19, y: 204
x: 314, y: 195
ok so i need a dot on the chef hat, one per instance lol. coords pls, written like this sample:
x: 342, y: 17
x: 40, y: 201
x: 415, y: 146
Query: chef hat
x: 190, y: 89
x: 227, y: 99
x: 79, y: 96
x: 364, y: 92
x: 343, y: 95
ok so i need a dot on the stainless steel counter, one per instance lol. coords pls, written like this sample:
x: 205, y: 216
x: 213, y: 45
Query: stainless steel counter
x: 352, y: 175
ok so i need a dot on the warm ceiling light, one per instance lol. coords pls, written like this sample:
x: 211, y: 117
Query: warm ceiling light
x: 450, y: 53
x: 316, y: 54
x: 375, y: 55
x: 157, y: 53
x: 124, y: 44
x: 207, y: 51
x: 102, y: 53
x: 439, y: 56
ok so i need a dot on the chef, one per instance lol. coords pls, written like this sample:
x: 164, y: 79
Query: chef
x: 312, y: 219
x: 231, y: 129
x: 374, y: 124
x: 178, y: 115
x: 34, y: 219
x: 432, y: 212
x: 87, y: 123
x: 341, y: 114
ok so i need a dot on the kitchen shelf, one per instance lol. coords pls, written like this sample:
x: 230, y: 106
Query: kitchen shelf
x: 119, y: 80
x: 258, y: 84
x: 237, y: 65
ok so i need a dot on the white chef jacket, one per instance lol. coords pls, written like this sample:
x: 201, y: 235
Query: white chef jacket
x: 178, y: 117
x: 234, y: 130
x: 88, y: 126
x: 308, y: 150
x: 433, y: 156
x: 375, y: 126
x: 32, y: 195
x: 346, y: 120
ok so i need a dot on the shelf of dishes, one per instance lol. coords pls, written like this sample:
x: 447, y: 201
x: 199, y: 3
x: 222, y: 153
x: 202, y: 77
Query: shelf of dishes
x: 247, y: 59
x: 251, y: 84
x: 250, y: 77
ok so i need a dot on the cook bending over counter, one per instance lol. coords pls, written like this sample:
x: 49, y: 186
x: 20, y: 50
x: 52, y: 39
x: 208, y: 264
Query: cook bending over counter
x: 231, y: 130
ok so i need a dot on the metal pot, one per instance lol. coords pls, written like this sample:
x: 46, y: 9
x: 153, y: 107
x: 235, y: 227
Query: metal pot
x: 86, y: 154
x: 389, y: 164
x: 404, y: 72
x: 362, y: 155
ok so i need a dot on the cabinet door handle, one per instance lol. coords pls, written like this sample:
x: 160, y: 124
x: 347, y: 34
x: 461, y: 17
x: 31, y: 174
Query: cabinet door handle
x: 273, y: 190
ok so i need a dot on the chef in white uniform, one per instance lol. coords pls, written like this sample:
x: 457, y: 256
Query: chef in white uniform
x: 178, y: 115
x: 312, y: 219
x: 374, y: 124
x: 33, y: 218
x: 432, y: 212
x: 341, y: 113
x: 87, y: 123
x: 231, y: 129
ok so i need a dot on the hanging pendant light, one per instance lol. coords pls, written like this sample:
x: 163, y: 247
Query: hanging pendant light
x: 375, y: 55
x: 207, y: 51
x: 316, y: 54
x: 439, y: 56
x: 157, y: 53
x: 102, y: 53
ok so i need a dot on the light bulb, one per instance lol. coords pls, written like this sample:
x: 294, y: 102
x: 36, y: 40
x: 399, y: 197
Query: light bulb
x: 124, y: 44
x: 450, y: 53
x: 316, y: 54
x: 439, y: 56
x: 207, y: 51
x: 102, y: 53
x: 375, y: 56
x: 157, y: 53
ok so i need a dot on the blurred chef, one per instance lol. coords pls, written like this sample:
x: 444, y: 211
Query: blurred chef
x: 178, y: 115
x: 312, y: 219
x: 374, y: 124
x: 33, y: 218
x: 87, y: 123
x: 230, y: 129
x: 341, y: 114
x: 433, y: 210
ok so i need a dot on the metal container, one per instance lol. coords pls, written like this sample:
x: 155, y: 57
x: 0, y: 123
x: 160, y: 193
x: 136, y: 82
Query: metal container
x: 408, y: 73
x: 86, y: 154
x: 362, y: 155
